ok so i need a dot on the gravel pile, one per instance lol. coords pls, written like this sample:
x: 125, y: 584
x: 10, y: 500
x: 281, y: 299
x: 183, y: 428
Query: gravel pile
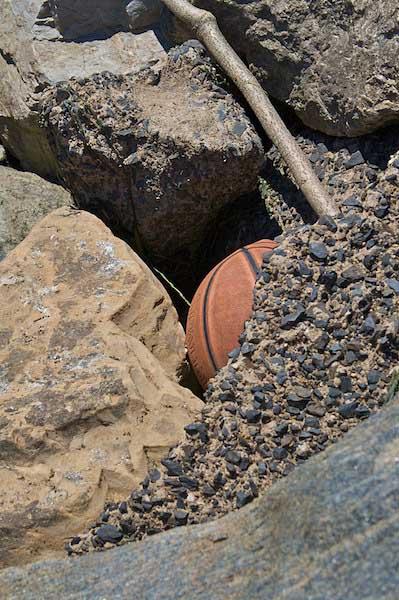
x: 316, y: 358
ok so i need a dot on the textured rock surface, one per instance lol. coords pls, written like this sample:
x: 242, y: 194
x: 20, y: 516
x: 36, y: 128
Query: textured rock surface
x: 90, y: 345
x: 33, y: 56
x: 24, y: 199
x: 112, y: 139
x: 122, y: 155
x: 329, y: 531
x: 334, y: 61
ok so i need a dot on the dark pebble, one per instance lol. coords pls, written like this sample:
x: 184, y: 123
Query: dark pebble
x: 280, y: 453
x: 318, y: 250
x: 355, y: 160
x: 181, y: 516
x: 243, y: 498
x: 373, y: 376
x: 347, y: 411
x: 393, y: 284
x: 109, y: 533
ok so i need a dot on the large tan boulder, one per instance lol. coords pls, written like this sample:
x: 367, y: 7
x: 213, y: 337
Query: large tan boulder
x: 90, y: 346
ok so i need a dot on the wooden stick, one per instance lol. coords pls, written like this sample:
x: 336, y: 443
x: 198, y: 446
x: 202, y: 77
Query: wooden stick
x: 205, y: 28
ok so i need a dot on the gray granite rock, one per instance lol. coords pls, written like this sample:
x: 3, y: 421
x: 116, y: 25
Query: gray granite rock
x: 328, y: 531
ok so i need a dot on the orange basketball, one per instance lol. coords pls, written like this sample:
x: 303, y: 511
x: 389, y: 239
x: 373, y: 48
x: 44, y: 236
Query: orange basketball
x: 220, y: 307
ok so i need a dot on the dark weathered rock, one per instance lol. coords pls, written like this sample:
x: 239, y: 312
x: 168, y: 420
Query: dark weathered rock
x: 293, y: 538
x: 335, y: 62
x: 97, y: 114
x: 120, y: 154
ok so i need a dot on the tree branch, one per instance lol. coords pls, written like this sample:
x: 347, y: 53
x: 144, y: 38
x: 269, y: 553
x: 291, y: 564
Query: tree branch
x: 204, y: 26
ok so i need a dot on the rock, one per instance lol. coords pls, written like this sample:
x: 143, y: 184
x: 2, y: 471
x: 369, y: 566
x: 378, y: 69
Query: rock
x: 318, y: 250
x: 354, y: 523
x: 96, y: 112
x: 24, y: 199
x: 109, y: 533
x: 393, y: 284
x: 34, y: 56
x: 168, y: 174
x: 143, y: 13
x: 355, y: 160
x: 306, y: 53
x: 3, y: 156
x: 90, y: 351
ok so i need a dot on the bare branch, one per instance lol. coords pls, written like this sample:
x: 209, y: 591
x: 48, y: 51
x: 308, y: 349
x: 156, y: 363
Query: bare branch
x: 204, y: 26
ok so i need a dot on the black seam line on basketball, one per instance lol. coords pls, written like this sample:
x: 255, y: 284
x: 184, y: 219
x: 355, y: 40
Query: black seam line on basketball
x: 205, y: 319
x: 251, y: 261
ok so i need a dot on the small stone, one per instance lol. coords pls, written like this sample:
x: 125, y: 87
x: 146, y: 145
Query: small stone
x: 347, y: 411
x: 296, y: 402
x: 373, y: 376
x: 253, y: 415
x: 316, y: 410
x: 318, y: 250
x: 328, y: 222
x: 303, y: 392
x: 262, y: 469
x: 381, y: 211
x: 352, y: 201
x: 280, y: 453
x: 350, y: 357
x: 303, y: 269
x: 393, y: 284
x: 75, y: 540
x: 208, y: 490
x: 188, y: 482
x: 243, y: 498
x: 233, y: 457
x: 362, y: 412
x: 247, y: 348
x: 174, y: 468
x: 303, y: 450
x: 345, y: 384
x: 369, y: 260
x: 154, y: 475
x: 181, y: 516
x: 328, y: 278
x: 355, y: 160
x: 109, y: 533
x: 368, y: 326
x: 294, y: 317
x: 234, y: 354
x: 195, y: 428
x: 334, y: 392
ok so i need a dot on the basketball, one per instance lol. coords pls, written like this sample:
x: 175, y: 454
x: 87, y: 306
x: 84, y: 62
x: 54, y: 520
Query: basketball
x: 220, y: 307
